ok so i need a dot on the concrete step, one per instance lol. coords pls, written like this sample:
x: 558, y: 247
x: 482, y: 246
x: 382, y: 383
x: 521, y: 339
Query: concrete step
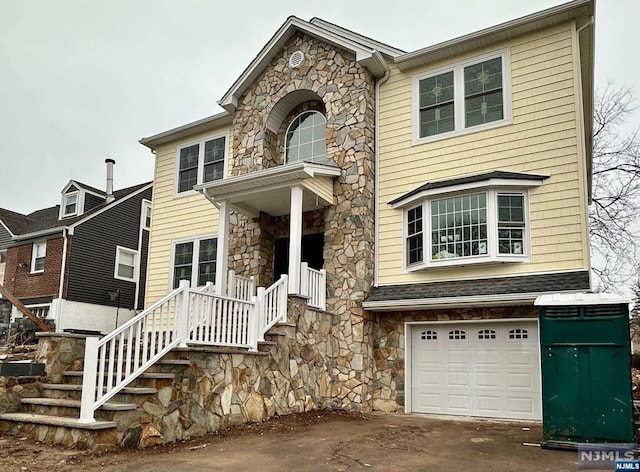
x: 51, y: 420
x: 66, y: 403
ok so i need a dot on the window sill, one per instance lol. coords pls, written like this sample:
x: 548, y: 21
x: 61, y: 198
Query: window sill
x: 459, y: 263
x: 37, y: 272
x: 463, y: 132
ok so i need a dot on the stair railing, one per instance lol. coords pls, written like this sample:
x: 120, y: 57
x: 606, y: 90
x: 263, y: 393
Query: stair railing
x: 313, y: 284
x: 114, y: 361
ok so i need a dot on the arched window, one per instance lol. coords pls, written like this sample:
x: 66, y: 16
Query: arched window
x: 305, y: 137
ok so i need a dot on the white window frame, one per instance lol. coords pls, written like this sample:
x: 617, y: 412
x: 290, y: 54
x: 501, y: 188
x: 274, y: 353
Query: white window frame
x: 459, y: 103
x: 492, y: 256
x: 146, y: 206
x: 136, y: 265
x: 194, y: 259
x: 34, y: 252
x: 200, y: 143
x: 314, y: 160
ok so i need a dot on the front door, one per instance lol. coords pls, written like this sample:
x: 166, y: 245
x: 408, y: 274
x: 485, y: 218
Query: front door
x: 312, y: 253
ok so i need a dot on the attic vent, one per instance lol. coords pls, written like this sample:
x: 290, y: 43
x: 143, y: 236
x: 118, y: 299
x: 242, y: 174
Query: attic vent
x: 296, y: 59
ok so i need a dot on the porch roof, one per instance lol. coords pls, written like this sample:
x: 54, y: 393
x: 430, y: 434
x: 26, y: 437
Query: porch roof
x: 269, y: 190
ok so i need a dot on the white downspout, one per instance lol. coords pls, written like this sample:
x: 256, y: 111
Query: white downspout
x: 376, y: 198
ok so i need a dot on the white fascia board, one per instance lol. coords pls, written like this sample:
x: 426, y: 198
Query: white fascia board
x: 277, y: 42
x: 37, y: 234
x: 109, y: 206
x: 210, y: 122
x: 517, y: 27
x: 573, y: 299
x: 453, y: 302
x: 258, y: 181
x: 493, y: 183
x: 7, y: 228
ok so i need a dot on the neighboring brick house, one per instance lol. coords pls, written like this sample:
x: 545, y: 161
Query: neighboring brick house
x: 442, y: 190
x: 81, y: 264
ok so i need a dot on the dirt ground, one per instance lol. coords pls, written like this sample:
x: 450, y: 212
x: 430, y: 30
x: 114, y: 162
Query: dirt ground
x: 319, y: 441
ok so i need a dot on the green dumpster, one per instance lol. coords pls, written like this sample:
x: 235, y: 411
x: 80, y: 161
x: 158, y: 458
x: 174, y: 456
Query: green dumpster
x: 586, y: 369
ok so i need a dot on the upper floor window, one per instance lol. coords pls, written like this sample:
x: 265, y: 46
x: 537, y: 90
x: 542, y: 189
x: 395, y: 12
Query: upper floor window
x: 305, y: 139
x: 146, y: 214
x: 201, y: 162
x: 195, y: 261
x: 468, y: 228
x: 70, y: 204
x: 126, y: 264
x: 463, y: 97
x: 38, y: 256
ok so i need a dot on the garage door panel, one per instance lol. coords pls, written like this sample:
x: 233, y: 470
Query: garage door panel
x: 480, y: 369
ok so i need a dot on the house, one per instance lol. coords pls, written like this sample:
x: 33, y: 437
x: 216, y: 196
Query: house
x: 81, y: 264
x: 442, y: 190
x: 361, y: 228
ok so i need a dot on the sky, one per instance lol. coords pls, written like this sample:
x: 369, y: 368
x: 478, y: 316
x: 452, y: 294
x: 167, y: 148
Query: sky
x: 84, y: 80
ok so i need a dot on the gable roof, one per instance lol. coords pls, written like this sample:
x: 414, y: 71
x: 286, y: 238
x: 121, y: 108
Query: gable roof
x: 45, y: 221
x: 368, y: 52
x: 14, y: 222
x: 80, y: 185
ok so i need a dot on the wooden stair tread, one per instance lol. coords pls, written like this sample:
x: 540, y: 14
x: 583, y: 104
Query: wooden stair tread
x: 146, y: 375
x: 110, y: 406
x: 51, y: 420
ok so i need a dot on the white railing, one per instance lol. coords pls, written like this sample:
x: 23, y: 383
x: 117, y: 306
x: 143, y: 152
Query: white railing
x: 113, y: 362
x: 272, y: 303
x: 222, y: 321
x: 313, y: 284
x: 240, y: 287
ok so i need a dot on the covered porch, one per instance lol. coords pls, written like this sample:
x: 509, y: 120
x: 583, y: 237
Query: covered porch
x: 276, y: 193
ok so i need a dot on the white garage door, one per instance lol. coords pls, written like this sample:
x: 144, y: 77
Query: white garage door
x: 476, y: 369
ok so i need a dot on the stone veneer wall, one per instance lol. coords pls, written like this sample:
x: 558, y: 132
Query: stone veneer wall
x: 346, y: 90
x: 389, y: 346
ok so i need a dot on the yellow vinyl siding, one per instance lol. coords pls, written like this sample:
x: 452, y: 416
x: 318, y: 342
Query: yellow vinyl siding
x: 543, y: 138
x: 321, y: 186
x: 174, y: 217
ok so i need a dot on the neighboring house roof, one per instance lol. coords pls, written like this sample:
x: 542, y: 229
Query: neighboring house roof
x: 469, y: 179
x: 477, y: 292
x: 46, y: 221
x: 15, y: 222
x: 87, y: 187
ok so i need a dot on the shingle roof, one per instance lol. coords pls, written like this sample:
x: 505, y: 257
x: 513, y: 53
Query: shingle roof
x: 496, y: 174
x: 90, y: 188
x: 16, y: 222
x: 537, y: 283
x: 47, y: 218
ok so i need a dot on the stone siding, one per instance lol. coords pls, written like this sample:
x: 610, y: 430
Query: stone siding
x: 389, y: 345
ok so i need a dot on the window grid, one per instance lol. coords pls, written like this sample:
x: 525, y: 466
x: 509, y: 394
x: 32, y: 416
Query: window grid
x: 437, y: 113
x: 188, y: 174
x: 483, y: 92
x: 214, y: 159
x: 182, y: 263
x: 39, y: 256
x: 519, y: 333
x: 305, y: 140
x: 486, y: 334
x: 511, y: 224
x: 207, y: 261
x: 457, y: 334
x: 459, y: 226
x: 414, y: 236
x: 429, y: 335
x: 126, y: 264
x: 195, y: 261
x: 70, y: 204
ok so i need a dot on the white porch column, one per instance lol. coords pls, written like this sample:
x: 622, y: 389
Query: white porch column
x: 295, y: 239
x: 222, y: 256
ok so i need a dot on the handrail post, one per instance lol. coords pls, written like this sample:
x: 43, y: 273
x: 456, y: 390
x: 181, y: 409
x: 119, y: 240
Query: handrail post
x: 89, y: 375
x: 284, y: 293
x: 323, y: 289
x: 231, y: 284
x: 252, y: 286
x: 261, y: 313
x: 304, y: 279
x: 182, y: 313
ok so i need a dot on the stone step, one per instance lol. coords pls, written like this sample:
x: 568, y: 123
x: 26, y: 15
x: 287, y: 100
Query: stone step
x: 220, y: 350
x: 78, y: 388
x: 145, y: 375
x: 66, y: 403
x: 51, y: 420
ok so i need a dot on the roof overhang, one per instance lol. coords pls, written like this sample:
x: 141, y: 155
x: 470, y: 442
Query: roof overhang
x: 369, y: 55
x: 573, y: 299
x: 478, y: 301
x: 269, y: 190
x: 39, y: 234
x: 206, y: 124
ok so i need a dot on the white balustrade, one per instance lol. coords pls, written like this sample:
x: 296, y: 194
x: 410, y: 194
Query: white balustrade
x: 240, y: 287
x: 313, y: 284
